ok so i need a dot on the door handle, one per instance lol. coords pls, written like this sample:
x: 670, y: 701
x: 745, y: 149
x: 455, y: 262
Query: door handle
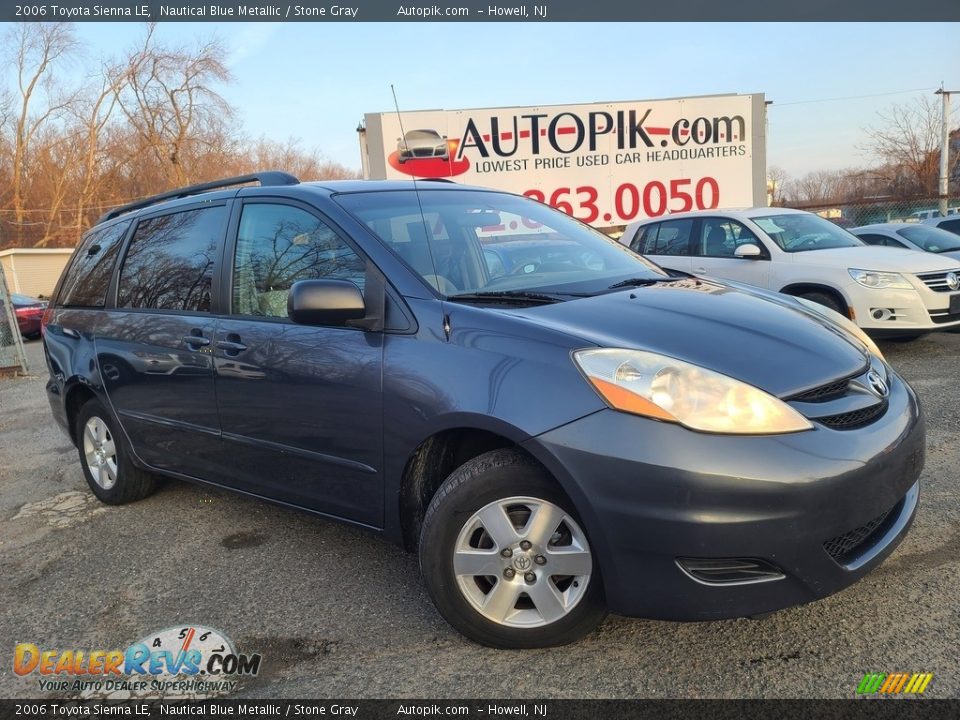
x: 232, y: 344
x: 195, y: 341
x: 700, y: 270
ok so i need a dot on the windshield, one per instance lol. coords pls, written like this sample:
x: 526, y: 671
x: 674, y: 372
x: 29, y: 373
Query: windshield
x: 931, y: 239
x: 471, y: 241
x: 804, y: 231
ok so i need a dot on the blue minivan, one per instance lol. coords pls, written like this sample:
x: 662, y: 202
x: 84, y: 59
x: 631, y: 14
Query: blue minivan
x: 576, y: 433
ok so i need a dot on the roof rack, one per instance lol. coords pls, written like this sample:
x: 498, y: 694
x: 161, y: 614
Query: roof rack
x: 437, y: 179
x: 269, y: 178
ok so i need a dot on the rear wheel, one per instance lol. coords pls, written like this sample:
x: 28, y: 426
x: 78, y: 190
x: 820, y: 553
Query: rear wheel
x: 505, y: 559
x: 105, y: 458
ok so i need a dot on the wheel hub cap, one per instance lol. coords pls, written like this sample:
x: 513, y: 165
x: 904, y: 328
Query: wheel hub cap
x: 99, y: 450
x: 522, y: 562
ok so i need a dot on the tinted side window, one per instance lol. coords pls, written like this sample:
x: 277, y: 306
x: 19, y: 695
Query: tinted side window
x: 277, y: 245
x: 644, y: 241
x: 85, y: 282
x: 169, y: 265
x: 951, y: 225
x: 720, y: 237
x: 874, y: 239
x: 674, y: 237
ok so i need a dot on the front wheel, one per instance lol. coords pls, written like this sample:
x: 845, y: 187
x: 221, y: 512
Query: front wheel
x: 825, y: 299
x: 506, y: 560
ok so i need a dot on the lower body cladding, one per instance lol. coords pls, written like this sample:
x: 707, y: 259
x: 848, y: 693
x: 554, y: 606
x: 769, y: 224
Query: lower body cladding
x: 692, y: 526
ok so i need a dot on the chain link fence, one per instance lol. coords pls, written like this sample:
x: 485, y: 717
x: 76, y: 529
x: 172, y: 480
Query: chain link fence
x: 868, y: 211
x: 12, y: 357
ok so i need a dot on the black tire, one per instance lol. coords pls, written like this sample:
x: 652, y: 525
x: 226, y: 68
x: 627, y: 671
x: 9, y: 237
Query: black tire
x: 131, y: 483
x: 497, y: 475
x: 825, y: 299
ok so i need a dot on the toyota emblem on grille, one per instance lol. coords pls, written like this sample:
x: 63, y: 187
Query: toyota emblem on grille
x: 877, y: 383
x: 953, y: 281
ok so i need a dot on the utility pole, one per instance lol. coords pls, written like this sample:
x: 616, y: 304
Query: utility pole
x: 945, y: 150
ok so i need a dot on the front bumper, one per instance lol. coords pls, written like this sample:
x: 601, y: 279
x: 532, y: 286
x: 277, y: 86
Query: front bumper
x: 650, y: 492
x: 891, y: 311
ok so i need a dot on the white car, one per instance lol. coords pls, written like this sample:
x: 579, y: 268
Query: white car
x: 912, y: 236
x: 950, y: 223
x: 884, y: 290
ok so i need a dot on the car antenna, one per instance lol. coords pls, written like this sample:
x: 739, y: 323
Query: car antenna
x: 416, y: 190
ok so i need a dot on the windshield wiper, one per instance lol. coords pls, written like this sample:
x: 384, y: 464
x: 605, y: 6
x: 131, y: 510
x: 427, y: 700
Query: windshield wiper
x: 507, y: 296
x: 639, y: 282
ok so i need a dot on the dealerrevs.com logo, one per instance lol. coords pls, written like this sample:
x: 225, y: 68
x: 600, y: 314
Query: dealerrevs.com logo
x: 182, y: 660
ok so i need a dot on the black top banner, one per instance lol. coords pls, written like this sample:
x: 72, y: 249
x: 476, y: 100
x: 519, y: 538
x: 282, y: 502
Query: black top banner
x: 479, y: 11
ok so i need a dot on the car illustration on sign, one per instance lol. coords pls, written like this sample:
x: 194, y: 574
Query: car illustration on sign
x: 422, y: 144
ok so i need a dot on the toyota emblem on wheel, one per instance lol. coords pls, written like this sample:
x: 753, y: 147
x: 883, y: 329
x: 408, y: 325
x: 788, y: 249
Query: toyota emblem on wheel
x: 522, y: 563
x: 878, y: 384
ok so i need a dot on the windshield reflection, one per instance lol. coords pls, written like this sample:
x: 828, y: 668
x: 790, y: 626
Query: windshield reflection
x: 464, y: 242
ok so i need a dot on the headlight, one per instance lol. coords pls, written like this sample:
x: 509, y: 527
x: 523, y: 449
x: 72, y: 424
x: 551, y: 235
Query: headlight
x: 664, y: 388
x: 880, y: 280
x: 843, y: 322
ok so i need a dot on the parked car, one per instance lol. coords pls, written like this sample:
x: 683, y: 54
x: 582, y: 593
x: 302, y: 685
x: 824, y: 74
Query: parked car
x: 912, y: 236
x: 890, y: 292
x: 950, y: 223
x: 422, y: 144
x: 554, y: 443
x: 28, y: 311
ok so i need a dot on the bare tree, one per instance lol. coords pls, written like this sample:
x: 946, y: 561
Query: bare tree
x: 289, y: 156
x: 94, y: 111
x: 906, y: 143
x: 778, y: 184
x: 37, y: 50
x: 169, y: 100
x: 820, y: 186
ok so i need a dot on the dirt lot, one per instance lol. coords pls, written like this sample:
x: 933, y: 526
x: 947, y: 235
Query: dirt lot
x: 338, y: 613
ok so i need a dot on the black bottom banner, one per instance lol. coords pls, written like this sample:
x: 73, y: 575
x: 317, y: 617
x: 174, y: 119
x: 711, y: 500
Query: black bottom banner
x: 873, y: 709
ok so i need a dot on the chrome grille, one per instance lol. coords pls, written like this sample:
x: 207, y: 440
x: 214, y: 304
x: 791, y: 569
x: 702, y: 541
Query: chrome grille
x: 937, y: 281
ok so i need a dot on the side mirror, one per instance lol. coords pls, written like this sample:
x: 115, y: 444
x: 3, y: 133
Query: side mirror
x: 325, y: 302
x: 748, y: 251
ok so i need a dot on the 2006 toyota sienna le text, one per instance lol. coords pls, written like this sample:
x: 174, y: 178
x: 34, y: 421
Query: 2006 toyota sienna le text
x: 584, y: 433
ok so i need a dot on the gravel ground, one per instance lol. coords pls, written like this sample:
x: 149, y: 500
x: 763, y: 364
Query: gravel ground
x: 339, y: 613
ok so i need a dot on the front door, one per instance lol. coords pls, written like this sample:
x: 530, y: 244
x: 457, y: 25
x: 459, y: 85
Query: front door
x: 714, y: 247
x: 300, y: 407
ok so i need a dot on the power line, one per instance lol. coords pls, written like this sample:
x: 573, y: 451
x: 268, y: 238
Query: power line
x: 851, y: 97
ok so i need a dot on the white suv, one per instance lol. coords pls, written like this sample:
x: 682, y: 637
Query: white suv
x: 884, y: 290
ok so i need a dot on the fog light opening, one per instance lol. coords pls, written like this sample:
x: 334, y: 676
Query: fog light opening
x: 729, y: 571
x: 882, y: 313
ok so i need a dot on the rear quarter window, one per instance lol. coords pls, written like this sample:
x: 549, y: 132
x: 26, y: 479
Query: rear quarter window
x: 88, y: 276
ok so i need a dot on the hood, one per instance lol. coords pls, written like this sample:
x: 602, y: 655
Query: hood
x: 767, y: 343
x: 953, y: 254
x: 884, y: 259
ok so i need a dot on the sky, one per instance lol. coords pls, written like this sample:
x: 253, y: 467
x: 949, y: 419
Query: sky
x: 827, y: 81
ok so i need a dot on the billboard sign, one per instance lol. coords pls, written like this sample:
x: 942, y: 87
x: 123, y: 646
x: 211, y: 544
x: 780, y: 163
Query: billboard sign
x: 603, y: 163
